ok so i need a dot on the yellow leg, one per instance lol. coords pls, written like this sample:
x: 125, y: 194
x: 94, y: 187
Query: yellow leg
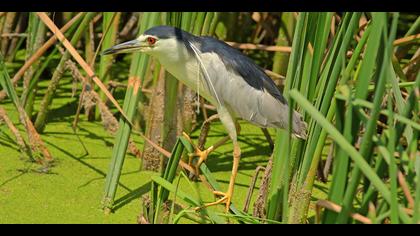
x: 227, y: 197
x: 236, y: 158
x: 233, y: 129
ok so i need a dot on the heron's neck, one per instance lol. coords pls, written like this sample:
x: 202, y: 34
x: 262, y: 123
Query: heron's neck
x: 176, y: 64
x: 176, y: 60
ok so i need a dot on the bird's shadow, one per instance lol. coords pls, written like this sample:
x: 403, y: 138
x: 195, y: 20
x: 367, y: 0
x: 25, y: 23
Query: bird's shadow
x: 255, y: 151
x: 222, y: 161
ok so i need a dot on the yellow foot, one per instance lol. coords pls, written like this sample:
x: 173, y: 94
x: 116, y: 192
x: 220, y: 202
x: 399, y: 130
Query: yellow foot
x: 226, y: 198
x: 202, y: 155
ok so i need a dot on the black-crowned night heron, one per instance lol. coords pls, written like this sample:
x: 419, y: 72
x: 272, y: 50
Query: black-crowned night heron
x: 232, y: 82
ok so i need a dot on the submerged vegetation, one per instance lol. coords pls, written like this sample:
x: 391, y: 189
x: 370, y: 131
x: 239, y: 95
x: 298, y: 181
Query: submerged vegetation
x: 353, y: 76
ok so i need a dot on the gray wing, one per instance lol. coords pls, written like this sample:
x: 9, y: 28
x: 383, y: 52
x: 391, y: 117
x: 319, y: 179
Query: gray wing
x: 236, y: 61
x: 247, y: 91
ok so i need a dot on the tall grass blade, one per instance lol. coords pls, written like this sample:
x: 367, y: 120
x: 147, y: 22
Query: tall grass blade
x: 133, y: 93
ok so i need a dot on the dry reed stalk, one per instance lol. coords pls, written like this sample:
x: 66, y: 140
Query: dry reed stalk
x: 337, y: 208
x: 44, y: 17
x: 14, y: 40
x: 19, y: 140
x: 7, y: 28
x: 128, y: 27
x: 260, y: 202
x: 408, y: 39
x: 91, y: 98
x: 251, y: 46
x: 151, y: 158
x: 38, y: 54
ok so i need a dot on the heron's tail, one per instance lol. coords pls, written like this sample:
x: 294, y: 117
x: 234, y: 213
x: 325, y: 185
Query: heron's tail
x: 299, y: 126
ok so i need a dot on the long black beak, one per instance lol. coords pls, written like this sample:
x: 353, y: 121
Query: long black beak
x: 126, y: 47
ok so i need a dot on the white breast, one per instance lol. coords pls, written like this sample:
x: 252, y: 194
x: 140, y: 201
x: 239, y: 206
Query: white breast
x: 185, y: 68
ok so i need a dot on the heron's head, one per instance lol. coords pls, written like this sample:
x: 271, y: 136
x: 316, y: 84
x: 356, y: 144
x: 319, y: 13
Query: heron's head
x: 159, y: 40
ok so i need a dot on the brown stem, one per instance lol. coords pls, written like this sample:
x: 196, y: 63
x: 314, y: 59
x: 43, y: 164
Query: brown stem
x: 259, y: 205
x: 19, y: 140
x: 251, y: 187
x: 406, y: 190
x: 328, y: 162
x: 205, y: 131
x: 7, y: 28
x: 38, y: 54
x: 89, y: 98
x: 13, y: 35
x: 250, y: 46
x: 406, y: 40
x: 412, y: 68
x: 337, y: 208
x: 167, y: 154
x: 154, y: 120
x: 125, y: 32
x: 13, y: 42
x: 73, y: 52
x: 35, y: 140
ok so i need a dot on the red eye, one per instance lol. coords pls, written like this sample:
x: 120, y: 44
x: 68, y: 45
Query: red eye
x: 151, y: 40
